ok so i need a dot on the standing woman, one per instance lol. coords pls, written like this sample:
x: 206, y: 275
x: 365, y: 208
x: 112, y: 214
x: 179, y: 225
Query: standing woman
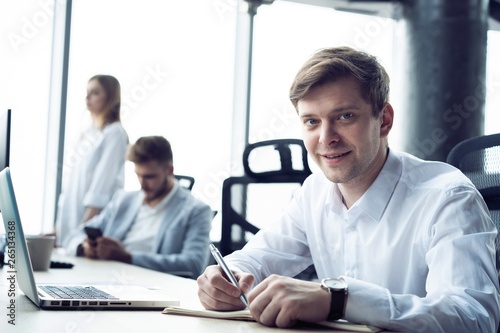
x: 96, y: 168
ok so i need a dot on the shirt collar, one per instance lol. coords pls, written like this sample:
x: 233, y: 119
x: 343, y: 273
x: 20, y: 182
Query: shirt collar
x: 334, y: 201
x: 376, y: 198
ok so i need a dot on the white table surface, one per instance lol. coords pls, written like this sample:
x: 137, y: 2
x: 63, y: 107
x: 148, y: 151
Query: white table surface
x: 29, y: 318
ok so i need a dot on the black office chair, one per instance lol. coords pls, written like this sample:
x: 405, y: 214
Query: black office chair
x: 235, y: 225
x: 479, y: 159
x: 185, y: 181
x: 236, y: 229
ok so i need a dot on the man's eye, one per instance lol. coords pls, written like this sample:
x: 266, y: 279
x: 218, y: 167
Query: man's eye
x: 346, y: 116
x: 311, y: 122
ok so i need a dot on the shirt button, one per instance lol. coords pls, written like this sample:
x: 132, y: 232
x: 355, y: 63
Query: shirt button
x: 353, y: 228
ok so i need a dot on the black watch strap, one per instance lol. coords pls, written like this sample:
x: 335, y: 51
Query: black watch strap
x: 337, y: 304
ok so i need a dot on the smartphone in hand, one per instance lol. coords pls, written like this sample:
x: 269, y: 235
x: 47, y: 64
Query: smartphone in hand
x: 93, y: 233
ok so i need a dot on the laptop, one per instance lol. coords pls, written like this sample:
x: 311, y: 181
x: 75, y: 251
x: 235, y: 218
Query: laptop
x: 64, y: 297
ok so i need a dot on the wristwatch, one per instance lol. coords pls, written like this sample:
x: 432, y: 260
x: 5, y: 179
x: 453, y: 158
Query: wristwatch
x: 338, y: 290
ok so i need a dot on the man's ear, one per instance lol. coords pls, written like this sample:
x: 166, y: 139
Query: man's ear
x: 386, y: 120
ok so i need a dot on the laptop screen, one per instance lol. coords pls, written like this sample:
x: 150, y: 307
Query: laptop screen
x: 5, y: 120
x: 18, y: 263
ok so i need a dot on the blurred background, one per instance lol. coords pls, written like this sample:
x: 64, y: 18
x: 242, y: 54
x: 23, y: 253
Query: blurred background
x: 183, y: 69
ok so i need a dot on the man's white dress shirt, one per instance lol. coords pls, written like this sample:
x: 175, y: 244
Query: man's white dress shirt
x: 416, y: 250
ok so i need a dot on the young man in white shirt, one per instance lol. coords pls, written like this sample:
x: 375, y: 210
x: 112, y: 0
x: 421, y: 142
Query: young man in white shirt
x: 398, y: 242
x: 161, y: 227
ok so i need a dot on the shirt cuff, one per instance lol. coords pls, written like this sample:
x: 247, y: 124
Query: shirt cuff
x: 74, y: 242
x: 366, y: 302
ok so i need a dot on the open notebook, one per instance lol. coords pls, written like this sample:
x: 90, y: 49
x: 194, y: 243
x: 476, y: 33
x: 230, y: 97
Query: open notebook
x: 245, y: 315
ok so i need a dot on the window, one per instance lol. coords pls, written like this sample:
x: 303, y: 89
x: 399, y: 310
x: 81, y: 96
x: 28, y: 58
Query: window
x: 492, y: 107
x: 26, y: 56
x: 286, y: 34
x: 174, y: 61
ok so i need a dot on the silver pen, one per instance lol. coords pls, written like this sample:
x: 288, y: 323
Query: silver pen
x: 227, y: 271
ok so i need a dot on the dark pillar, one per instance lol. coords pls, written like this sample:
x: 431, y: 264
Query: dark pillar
x: 443, y: 73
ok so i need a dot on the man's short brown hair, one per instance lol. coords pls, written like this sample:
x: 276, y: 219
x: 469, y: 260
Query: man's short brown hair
x: 331, y: 64
x: 151, y: 148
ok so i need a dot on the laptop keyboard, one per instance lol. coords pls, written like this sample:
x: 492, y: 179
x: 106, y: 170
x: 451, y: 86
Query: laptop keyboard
x: 76, y: 292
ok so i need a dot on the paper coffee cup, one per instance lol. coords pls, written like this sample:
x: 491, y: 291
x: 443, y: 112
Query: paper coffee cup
x: 40, y: 250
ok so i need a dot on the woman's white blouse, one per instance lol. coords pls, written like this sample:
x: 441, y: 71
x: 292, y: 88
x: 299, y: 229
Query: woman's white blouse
x: 93, y: 171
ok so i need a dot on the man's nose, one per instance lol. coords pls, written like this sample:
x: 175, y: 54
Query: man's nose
x: 328, y: 134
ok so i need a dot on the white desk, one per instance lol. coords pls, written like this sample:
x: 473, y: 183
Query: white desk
x: 30, y: 318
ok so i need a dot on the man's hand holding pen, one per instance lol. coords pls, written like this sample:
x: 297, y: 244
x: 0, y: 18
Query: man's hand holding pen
x: 216, y: 292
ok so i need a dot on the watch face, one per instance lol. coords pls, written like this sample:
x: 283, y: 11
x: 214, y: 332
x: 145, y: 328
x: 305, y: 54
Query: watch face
x: 335, y: 284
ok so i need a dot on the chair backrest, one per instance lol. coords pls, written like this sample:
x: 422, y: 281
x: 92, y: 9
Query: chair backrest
x: 234, y: 189
x: 185, y: 181
x: 479, y: 159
